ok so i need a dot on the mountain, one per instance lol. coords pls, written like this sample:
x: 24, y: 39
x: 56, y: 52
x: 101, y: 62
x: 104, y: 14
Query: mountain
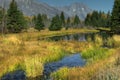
x: 79, y: 9
x: 33, y: 7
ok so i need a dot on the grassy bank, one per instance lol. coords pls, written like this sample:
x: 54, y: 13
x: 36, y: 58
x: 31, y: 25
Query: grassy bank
x: 24, y: 51
x: 35, y: 35
x: 29, y: 56
x: 100, y: 63
x: 94, y: 65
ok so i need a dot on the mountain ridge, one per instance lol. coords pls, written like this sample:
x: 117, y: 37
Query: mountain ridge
x: 33, y: 7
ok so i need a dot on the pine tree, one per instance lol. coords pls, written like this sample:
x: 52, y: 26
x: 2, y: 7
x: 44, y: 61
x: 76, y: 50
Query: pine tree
x: 115, y: 19
x: 55, y: 24
x: 15, y: 19
x: 62, y: 18
x: 39, y: 25
x: 68, y: 23
x: 88, y: 20
x: 97, y: 19
x: 108, y: 22
x: 76, y: 20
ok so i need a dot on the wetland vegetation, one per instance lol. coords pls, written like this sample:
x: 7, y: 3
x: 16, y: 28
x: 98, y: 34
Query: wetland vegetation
x: 64, y: 49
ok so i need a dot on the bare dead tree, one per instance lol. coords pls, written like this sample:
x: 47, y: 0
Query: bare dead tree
x: 3, y: 18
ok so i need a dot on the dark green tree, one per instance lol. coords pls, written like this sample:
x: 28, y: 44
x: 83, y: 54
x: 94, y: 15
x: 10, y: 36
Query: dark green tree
x: 97, y: 19
x: 62, y: 18
x: 68, y: 23
x: 108, y: 20
x: 115, y: 19
x: 88, y: 20
x: 76, y: 20
x: 15, y: 19
x: 39, y: 25
x: 102, y: 19
x: 55, y: 24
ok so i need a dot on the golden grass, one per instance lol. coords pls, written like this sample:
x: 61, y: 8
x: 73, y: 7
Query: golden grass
x: 116, y: 39
x: 27, y: 36
x: 31, y: 55
x: 25, y: 51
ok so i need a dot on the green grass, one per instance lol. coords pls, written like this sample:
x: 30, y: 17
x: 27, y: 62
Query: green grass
x: 95, y: 53
x: 99, y: 61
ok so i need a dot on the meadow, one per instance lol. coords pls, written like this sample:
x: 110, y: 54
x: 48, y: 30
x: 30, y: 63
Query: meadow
x: 26, y: 51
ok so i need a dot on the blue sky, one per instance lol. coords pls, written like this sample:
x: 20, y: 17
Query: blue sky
x: 103, y: 5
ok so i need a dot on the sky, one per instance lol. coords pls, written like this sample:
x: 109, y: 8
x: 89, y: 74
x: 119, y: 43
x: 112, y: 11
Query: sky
x: 103, y: 5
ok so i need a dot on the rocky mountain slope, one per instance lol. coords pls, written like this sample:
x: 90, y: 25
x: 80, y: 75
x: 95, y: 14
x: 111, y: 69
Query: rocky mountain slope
x: 79, y: 9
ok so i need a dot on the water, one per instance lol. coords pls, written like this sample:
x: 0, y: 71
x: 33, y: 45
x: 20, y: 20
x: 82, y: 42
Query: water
x: 70, y: 37
x: 69, y: 61
x: 16, y: 75
x: 80, y: 37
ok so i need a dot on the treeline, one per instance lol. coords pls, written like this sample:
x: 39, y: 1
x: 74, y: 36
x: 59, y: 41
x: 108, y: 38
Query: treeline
x: 98, y: 19
x: 13, y: 20
x: 56, y: 23
x: 115, y: 18
x: 111, y: 20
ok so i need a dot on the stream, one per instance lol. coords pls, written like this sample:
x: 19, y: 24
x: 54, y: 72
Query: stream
x: 68, y: 61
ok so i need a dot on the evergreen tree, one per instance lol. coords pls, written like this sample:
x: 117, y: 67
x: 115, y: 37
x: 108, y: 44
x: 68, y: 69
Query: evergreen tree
x: 39, y: 25
x: 88, y: 20
x: 115, y: 19
x: 55, y: 24
x: 108, y: 22
x: 102, y: 18
x: 97, y: 19
x: 15, y: 19
x: 68, y: 23
x: 62, y: 18
x: 76, y: 20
